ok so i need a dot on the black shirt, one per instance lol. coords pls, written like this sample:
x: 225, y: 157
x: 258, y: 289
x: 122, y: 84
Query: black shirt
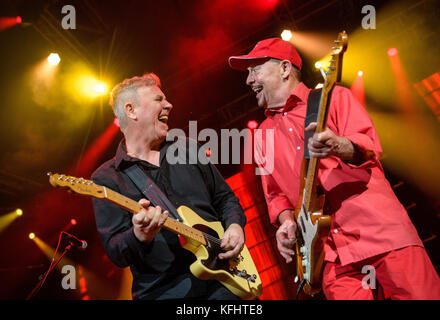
x: 161, y: 269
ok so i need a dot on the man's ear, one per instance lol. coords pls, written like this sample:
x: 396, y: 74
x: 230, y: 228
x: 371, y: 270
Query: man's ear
x: 130, y: 111
x: 285, y: 69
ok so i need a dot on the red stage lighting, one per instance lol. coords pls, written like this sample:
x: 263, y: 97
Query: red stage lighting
x: 73, y: 222
x: 392, y: 52
x: 18, y: 19
x: 252, y: 124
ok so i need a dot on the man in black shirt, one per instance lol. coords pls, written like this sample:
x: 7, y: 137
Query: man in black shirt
x: 159, y: 264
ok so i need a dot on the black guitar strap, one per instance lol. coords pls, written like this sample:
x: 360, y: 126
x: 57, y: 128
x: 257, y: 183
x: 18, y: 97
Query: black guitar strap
x: 150, y: 190
x: 311, y: 116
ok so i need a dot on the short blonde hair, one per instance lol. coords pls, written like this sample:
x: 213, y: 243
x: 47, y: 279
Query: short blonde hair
x: 126, y: 91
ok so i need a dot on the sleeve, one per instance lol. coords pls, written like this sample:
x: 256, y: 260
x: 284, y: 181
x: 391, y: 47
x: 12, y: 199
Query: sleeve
x: 224, y: 200
x: 276, y: 200
x: 350, y: 119
x: 115, y: 227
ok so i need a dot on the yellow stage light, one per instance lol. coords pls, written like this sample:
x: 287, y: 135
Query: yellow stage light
x: 54, y: 59
x: 286, y: 35
x: 360, y: 73
x: 89, y: 87
x: 19, y: 212
x: 318, y: 65
x: 100, y: 88
x: 31, y: 235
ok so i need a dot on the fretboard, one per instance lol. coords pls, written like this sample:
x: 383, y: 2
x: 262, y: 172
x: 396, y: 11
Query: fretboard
x: 170, y: 224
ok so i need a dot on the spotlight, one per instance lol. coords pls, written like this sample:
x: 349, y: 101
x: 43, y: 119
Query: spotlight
x: 286, y: 35
x: 318, y: 65
x: 392, y: 52
x: 73, y: 222
x: 19, y: 212
x: 18, y: 19
x: 360, y: 73
x: 252, y: 124
x: 100, y: 87
x: 31, y: 235
x: 54, y: 59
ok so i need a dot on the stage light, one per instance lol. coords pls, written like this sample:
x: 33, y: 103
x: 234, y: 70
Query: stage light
x: 54, y: 59
x: 88, y: 86
x: 19, y: 212
x: 360, y: 73
x: 392, y: 52
x: 100, y: 88
x: 252, y: 124
x: 31, y: 235
x: 18, y: 19
x: 318, y: 65
x: 73, y: 222
x: 286, y: 35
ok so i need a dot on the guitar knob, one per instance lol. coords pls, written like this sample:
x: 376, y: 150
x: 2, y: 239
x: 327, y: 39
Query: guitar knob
x: 304, y: 263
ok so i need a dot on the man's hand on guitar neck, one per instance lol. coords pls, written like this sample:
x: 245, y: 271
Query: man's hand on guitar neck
x: 327, y: 143
x: 286, y: 235
x: 148, y: 221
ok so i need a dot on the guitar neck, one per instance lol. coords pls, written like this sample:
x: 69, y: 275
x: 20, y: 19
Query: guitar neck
x: 313, y: 165
x: 170, y: 224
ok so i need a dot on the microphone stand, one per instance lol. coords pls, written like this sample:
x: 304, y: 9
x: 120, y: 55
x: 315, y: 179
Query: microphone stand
x: 51, y: 267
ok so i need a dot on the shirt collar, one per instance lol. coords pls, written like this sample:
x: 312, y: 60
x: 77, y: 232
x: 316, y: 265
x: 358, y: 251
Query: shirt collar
x: 122, y: 157
x: 300, y: 93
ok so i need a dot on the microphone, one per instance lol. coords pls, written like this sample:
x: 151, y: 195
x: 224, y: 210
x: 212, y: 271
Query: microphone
x: 80, y: 244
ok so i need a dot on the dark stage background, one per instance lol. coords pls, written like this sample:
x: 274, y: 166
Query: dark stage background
x: 48, y: 125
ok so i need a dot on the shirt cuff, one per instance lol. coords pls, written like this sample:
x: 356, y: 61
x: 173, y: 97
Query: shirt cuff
x: 364, y: 145
x: 276, y: 206
x: 133, y: 243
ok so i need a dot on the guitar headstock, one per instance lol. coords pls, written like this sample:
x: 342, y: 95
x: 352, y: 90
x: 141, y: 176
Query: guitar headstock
x: 334, y: 72
x: 78, y: 185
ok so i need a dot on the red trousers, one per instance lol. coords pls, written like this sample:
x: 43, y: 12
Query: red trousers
x: 404, y: 274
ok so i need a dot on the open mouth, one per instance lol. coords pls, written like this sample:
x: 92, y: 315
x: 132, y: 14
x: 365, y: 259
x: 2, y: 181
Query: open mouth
x: 257, y: 89
x: 163, y: 119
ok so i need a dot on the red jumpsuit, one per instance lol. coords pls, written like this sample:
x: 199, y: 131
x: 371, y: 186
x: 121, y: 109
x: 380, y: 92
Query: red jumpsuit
x: 370, y: 228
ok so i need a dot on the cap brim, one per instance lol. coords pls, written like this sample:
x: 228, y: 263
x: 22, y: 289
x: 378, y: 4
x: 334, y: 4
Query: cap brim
x: 243, y: 62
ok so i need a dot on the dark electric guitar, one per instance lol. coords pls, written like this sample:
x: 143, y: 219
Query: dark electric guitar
x: 202, y: 238
x: 312, y: 224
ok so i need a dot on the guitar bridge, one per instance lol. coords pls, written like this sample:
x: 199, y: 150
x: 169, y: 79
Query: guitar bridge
x: 243, y: 274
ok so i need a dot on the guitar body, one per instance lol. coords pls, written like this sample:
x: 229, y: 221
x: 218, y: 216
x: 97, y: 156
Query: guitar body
x: 311, y: 235
x: 208, y: 266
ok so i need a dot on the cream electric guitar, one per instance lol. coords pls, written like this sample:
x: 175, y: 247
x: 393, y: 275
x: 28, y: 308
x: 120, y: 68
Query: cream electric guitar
x: 312, y: 224
x: 202, y: 238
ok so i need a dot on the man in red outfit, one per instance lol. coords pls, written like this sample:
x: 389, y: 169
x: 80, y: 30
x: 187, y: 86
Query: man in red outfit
x: 371, y: 235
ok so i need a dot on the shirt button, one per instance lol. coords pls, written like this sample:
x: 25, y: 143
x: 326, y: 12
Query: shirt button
x: 335, y: 230
x: 290, y: 129
x: 285, y: 113
x: 299, y: 148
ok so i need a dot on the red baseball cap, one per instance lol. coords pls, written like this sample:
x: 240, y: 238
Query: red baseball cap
x: 266, y: 49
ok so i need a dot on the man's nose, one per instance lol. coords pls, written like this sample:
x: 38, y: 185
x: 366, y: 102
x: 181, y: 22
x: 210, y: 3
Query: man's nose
x: 168, y: 105
x: 250, y: 79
